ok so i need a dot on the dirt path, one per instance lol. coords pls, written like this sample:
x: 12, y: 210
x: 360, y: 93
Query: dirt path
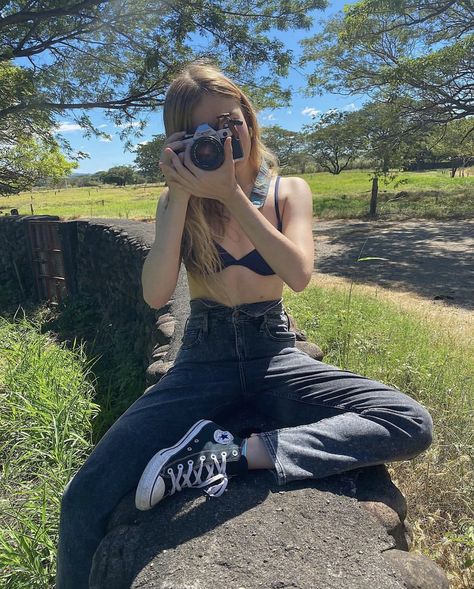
x: 431, y: 259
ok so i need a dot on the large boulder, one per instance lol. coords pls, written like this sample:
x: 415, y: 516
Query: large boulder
x: 330, y: 533
x: 255, y: 535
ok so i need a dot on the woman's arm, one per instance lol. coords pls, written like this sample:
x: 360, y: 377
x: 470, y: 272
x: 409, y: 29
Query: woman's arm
x: 161, y: 267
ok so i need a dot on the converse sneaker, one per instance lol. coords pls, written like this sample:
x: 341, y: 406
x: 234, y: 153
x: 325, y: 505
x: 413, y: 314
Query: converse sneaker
x: 204, y: 457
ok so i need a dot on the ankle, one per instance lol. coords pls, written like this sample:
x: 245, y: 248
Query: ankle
x: 256, y: 453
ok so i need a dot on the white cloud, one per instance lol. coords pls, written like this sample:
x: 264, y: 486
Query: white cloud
x: 350, y: 106
x: 106, y: 139
x: 270, y: 117
x: 65, y: 127
x: 312, y: 112
x: 135, y: 147
x: 128, y: 125
x: 102, y: 126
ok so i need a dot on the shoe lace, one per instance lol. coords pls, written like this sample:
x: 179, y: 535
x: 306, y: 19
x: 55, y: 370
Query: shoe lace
x: 182, y: 479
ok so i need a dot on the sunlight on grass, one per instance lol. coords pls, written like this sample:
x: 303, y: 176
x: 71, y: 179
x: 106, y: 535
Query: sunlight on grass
x: 387, y: 342
x: 430, y: 194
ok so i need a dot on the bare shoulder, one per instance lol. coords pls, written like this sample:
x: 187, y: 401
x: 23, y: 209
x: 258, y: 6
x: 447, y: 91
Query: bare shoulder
x: 294, y: 185
x: 295, y: 192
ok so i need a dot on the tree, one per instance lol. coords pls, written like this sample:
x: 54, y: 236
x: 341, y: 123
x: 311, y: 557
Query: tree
x: 29, y: 161
x: 121, y: 56
x: 387, y: 135
x: 334, y: 140
x: 28, y: 150
x: 285, y: 144
x: 119, y: 175
x: 456, y: 144
x: 409, y: 48
x: 148, y: 157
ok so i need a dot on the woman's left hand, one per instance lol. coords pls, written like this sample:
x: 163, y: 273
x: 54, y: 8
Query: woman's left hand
x: 217, y: 184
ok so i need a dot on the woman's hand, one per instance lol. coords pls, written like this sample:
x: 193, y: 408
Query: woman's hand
x: 173, y: 142
x: 217, y: 184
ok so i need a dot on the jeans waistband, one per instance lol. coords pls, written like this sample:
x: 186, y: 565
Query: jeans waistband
x: 251, y: 309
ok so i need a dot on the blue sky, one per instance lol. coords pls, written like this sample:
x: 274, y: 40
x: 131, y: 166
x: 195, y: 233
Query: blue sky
x: 105, y: 154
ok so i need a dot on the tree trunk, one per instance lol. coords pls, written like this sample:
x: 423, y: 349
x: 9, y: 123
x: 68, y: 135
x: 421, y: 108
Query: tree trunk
x: 373, y: 198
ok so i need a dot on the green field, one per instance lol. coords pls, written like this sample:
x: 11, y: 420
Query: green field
x: 430, y: 194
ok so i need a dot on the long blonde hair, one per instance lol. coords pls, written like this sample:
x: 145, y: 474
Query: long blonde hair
x: 205, y: 217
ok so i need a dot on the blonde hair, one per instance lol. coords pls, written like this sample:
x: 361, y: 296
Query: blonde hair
x: 205, y: 217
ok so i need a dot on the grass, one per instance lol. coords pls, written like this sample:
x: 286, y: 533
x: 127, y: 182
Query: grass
x: 58, y: 398
x: 46, y: 411
x: 49, y: 406
x: 429, y: 194
x: 430, y: 356
x: 130, y: 202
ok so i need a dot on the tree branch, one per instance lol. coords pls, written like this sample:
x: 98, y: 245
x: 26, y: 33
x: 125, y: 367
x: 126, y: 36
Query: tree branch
x: 26, y: 16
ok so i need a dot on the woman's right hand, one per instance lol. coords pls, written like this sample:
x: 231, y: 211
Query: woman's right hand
x: 174, y: 143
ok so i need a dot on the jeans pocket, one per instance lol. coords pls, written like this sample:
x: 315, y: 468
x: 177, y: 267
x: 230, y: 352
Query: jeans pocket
x: 276, y: 326
x: 193, y: 331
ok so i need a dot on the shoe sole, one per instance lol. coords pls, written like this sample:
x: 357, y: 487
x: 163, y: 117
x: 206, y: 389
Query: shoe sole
x: 151, y: 474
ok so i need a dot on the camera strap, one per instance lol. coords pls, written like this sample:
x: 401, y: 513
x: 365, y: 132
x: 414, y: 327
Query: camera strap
x: 260, y: 188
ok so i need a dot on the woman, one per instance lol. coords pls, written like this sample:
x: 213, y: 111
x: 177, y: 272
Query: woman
x: 237, y: 347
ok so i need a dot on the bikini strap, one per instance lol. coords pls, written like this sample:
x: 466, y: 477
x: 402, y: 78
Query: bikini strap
x: 276, y: 203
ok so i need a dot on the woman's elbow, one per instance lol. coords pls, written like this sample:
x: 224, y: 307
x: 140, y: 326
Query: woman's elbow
x: 301, y: 282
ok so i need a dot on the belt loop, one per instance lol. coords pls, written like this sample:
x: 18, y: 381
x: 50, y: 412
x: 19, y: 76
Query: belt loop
x: 205, y: 321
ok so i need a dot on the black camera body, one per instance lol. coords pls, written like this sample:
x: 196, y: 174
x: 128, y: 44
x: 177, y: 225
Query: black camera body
x: 207, y: 144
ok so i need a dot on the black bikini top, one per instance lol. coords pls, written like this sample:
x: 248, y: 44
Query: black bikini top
x: 253, y: 260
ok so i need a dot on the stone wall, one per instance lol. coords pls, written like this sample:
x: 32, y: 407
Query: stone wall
x: 16, y: 278
x: 103, y: 260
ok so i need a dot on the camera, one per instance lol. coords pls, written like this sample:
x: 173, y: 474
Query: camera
x: 207, y: 144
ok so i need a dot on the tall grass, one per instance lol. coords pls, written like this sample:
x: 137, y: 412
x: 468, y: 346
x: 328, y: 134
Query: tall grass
x: 46, y: 412
x: 370, y: 336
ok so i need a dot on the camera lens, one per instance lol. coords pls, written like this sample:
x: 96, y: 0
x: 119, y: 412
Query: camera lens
x: 207, y: 153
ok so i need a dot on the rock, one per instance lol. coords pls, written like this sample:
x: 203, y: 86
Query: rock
x: 156, y: 370
x: 167, y: 328
x: 374, y: 484
x: 311, y: 349
x: 159, y: 352
x: 310, y: 534
x: 390, y: 520
x: 255, y: 535
x: 164, y: 318
x: 417, y: 571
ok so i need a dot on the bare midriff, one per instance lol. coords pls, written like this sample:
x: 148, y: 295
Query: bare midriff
x: 242, y: 286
